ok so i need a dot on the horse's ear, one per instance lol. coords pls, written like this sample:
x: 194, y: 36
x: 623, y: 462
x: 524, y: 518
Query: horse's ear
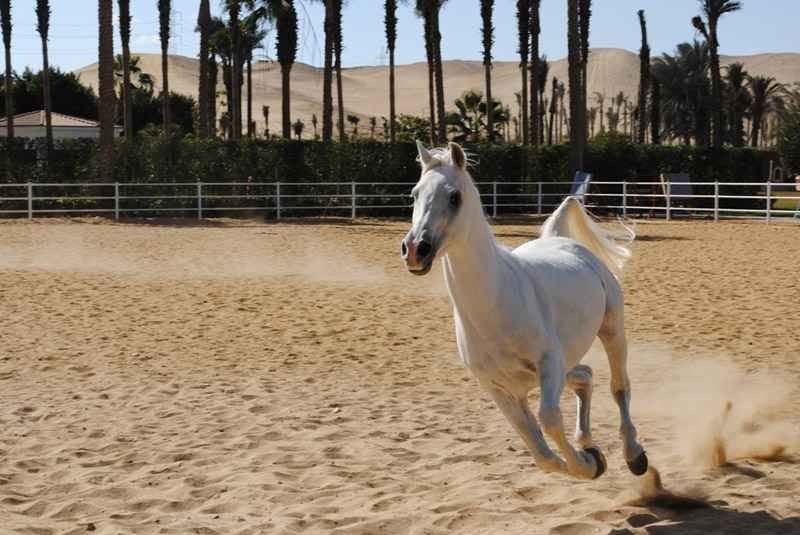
x: 457, y: 155
x: 424, y: 156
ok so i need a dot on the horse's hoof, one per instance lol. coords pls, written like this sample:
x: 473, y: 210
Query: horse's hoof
x: 599, y: 459
x: 638, y: 466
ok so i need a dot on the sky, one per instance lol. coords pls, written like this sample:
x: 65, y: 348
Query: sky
x: 762, y: 26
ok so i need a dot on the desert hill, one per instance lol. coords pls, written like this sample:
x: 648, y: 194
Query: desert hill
x: 366, y: 88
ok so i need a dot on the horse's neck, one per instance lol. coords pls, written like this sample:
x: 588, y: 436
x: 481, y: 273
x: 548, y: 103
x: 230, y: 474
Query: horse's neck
x: 472, y: 271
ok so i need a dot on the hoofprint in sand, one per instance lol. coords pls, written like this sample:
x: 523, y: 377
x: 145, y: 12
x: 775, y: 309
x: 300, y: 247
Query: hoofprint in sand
x: 282, y: 378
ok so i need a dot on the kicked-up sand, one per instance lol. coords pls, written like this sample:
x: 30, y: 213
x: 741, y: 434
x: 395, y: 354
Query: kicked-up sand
x: 246, y: 378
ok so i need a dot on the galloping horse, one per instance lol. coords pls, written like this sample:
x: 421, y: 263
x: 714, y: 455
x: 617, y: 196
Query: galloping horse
x: 527, y: 316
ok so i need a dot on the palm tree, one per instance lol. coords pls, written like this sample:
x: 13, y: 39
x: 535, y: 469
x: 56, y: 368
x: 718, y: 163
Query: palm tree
x: 523, y: 33
x: 298, y: 126
x: 423, y: 11
x: 763, y: 89
x: 373, y: 125
x: 43, y: 27
x: 265, y: 113
x: 164, y: 7
x: 354, y: 120
x: 619, y: 100
x: 106, y: 88
x: 592, y: 120
x: 203, y: 93
x: 314, y: 123
x: 540, y: 78
x: 390, y: 22
x: 286, y: 45
x: 213, y: 73
x: 537, y: 85
x: 5, y: 21
x: 487, y: 32
x: 327, y: 76
x: 644, y: 79
x: 470, y: 121
x: 577, y: 40
x: 553, y: 109
x: 713, y: 10
x: 234, y: 8
x: 125, y: 39
x: 337, y: 65
x: 737, y: 102
x: 252, y: 34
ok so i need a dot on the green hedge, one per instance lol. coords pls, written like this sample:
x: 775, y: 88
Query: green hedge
x: 153, y: 160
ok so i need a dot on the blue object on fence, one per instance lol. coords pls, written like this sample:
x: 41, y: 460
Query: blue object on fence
x: 580, y: 185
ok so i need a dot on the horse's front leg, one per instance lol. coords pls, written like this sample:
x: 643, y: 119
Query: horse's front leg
x: 516, y: 410
x: 588, y: 463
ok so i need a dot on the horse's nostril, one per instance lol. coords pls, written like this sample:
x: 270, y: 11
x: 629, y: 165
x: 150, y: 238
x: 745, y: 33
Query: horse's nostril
x: 423, y: 249
x: 403, y: 248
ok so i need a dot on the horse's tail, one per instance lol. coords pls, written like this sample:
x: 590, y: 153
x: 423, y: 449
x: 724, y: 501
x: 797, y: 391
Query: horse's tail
x: 571, y: 220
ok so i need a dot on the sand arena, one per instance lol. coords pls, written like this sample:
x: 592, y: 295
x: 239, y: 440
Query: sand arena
x: 237, y: 377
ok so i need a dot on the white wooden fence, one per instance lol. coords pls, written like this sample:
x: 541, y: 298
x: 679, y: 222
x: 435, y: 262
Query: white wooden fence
x: 353, y: 199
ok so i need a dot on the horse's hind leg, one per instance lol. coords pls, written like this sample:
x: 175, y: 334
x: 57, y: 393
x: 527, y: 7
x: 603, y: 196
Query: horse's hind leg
x: 617, y: 350
x: 579, y: 379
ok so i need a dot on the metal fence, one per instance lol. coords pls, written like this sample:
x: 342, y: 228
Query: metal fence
x: 278, y: 200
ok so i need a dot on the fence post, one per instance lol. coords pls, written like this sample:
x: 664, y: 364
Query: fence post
x: 352, y: 200
x: 624, y: 199
x: 116, y: 200
x: 30, y: 200
x: 494, y: 199
x: 668, y: 202
x: 539, y: 198
x: 769, y: 200
x: 716, y: 200
x: 278, y: 200
x: 199, y: 200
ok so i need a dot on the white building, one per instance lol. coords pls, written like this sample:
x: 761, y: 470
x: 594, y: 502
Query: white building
x: 32, y: 125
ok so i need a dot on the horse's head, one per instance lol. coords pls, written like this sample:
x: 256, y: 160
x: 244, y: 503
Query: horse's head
x: 442, y: 196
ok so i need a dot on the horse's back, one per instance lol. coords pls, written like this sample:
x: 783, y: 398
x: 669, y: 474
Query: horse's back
x: 575, y: 285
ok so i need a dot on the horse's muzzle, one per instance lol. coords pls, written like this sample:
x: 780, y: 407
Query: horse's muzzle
x: 418, y: 255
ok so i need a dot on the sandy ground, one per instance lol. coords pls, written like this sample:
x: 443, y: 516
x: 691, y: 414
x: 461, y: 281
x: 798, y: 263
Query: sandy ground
x: 292, y: 378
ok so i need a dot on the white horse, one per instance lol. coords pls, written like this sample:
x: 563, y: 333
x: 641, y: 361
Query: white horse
x: 527, y: 316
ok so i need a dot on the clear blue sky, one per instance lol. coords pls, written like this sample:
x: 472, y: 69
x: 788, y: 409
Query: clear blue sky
x: 762, y: 26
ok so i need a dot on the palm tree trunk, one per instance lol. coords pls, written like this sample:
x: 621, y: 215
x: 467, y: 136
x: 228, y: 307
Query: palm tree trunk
x: 125, y: 38
x: 250, y: 128
x: 523, y: 19
x: 235, y: 111
x: 431, y: 76
x: 48, y: 117
x: 534, y: 74
x: 574, y: 71
x: 437, y: 42
x: 337, y: 53
x: 106, y: 89
x: 213, y: 73
x: 487, y: 8
x: 203, y: 93
x: 327, y: 76
x: 5, y: 13
x: 164, y: 24
x: 644, y: 79
x: 716, y: 85
x: 286, y: 103
x: 391, y: 39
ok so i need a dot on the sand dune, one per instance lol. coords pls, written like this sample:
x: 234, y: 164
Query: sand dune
x: 247, y: 378
x: 366, y: 88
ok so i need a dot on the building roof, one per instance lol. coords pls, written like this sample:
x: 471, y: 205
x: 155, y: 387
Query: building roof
x: 36, y: 118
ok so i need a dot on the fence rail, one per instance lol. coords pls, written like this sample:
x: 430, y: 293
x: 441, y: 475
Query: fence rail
x: 278, y: 200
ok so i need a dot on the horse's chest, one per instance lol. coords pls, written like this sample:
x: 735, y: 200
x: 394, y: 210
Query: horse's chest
x: 496, y: 356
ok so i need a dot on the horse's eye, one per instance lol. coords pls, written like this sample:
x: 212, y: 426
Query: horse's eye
x: 455, y: 199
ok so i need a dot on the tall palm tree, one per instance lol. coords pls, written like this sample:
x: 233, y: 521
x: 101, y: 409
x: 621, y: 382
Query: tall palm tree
x: 584, y: 15
x: 286, y: 46
x: 234, y: 8
x: 327, y: 74
x: 337, y: 66
x: 203, y: 93
x: 436, y: 7
x: 487, y: 32
x: 644, y: 79
x: 43, y: 27
x: 600, y: 98
x: 390, y: 22
x: 5, y: 21
x: 737, y: 102
x: 713, y: 10
x: 164, y: 8
x: 540, y: 76
x: 523, y: 33
x: 553, y: 109
x: 125, y: 39
x: 252, y: 34
x: 423, y: 10
x: 537, y: 86
x: 574, y: 79
x: 106, y: 87
x: 762, y: 89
